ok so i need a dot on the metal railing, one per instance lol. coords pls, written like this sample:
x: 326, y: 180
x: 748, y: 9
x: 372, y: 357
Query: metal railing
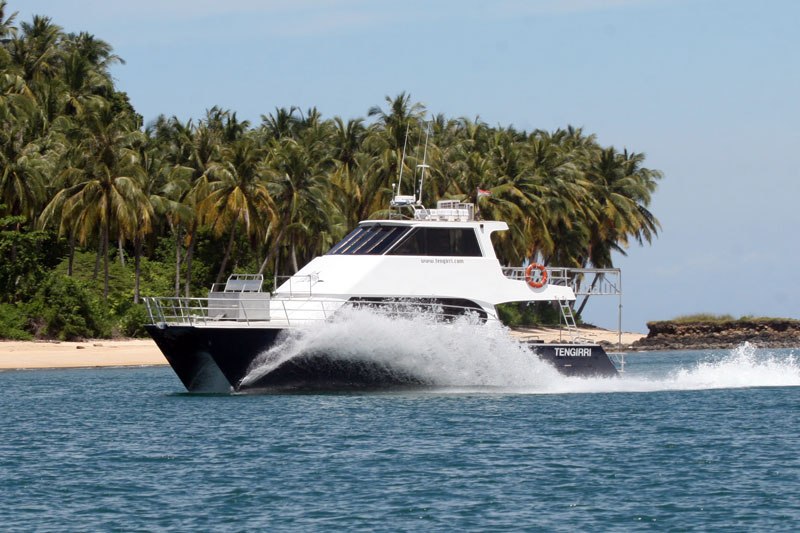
x: 308, y: 280
x: 596, y: 281
x: 240, y: 283
x: 555, y: 275
x: 289, y: 312
x: 582, y: 281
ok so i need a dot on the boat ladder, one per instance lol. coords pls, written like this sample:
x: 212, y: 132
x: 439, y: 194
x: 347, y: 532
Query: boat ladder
x: 618, y: 358
x: 569, y: 320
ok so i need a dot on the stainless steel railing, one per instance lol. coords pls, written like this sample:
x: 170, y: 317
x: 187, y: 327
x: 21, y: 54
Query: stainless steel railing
x: 286, y: 312
x: 583, y: 281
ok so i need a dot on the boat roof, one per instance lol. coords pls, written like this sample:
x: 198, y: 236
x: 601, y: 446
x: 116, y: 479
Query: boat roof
x: 447, y: 213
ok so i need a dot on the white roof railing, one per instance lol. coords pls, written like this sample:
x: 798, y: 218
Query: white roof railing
x: 447, y: 211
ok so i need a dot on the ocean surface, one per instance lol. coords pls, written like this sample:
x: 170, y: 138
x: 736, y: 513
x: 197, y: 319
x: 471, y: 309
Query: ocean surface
x: 683, y: 441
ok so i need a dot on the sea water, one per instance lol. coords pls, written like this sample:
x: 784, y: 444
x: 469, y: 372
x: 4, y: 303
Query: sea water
x: 682, y: 441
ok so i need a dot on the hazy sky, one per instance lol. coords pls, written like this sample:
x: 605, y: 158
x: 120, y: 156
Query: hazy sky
x: 707, y: 89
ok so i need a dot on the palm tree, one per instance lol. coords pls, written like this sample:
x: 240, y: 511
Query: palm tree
x: 164, y: 185
x: 85, y: 75
x: 299, y: 188
x: 35, y: 52
x: 97, y: 52
x: 622, y: 188
x: 237, y: 194
x: 357, y: 190
x: 107, y: 193
x: 7, y: 32
x: 281, y: 124
x: 195, y: 148
x: 347, y: 139
x: 22, y: 168
x: 396, y: 122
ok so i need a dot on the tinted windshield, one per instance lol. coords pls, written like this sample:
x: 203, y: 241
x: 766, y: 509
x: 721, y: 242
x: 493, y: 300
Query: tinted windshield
x: 439, y: 242
x: 368, y: 240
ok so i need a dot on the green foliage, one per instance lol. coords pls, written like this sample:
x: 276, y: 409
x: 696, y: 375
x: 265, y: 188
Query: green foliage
x: 132, y: 322
x: 523, y: 314
x: 13, y: 323
x: 125, y: 317
x: 66, y: 309
x: 157, y: 279
x: 703, y: 317
x: 27, y: 256
x: 710, y: 318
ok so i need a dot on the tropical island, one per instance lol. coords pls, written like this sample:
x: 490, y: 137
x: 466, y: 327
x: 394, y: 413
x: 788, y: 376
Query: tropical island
x: 710, y: 332
x: 98, y: 209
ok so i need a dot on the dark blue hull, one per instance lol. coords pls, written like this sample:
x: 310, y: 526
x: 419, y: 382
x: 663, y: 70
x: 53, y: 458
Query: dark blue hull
x: 218, y: 359
x: 581, y: 360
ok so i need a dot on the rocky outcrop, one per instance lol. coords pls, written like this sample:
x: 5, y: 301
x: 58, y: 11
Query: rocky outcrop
x: 764, y: 333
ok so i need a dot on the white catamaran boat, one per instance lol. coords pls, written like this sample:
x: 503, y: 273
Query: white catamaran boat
x: 438, y: 261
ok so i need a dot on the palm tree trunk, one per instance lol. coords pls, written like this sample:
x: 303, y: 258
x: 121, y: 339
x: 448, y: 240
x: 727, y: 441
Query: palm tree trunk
x: 121, y: 254
x: 177, y: 232
x: 14, y: 249
x: 71, y: 252
x: 14, y: 245
x: 586, y: 298
x: 275, y: 272
x: 189, y: 255
x: 294, y: 258
x: 137, y: 252
x: 273, y: 249
x: 105, y: 259
x: 99, y: 254
x: 227, y: 253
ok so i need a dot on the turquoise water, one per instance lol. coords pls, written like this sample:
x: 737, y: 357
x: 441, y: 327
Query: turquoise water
x: 684, y: 441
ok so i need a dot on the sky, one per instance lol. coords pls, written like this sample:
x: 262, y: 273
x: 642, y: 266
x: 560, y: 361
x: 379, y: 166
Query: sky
x: 708, y: 90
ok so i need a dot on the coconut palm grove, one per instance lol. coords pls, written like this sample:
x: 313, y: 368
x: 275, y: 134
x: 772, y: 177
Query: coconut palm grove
x: 98, y: 209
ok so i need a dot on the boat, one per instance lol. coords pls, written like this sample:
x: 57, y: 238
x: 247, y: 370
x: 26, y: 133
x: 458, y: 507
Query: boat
x: 438, y: 263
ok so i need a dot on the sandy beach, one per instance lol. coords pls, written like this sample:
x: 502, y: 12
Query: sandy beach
x: 556, y: 334
x: 92, y: 353
x: 144, y: 352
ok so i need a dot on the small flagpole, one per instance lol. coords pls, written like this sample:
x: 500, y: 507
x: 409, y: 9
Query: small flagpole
x: 478, y: 203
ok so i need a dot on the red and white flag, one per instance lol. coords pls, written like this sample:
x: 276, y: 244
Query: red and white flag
x: 481, y: 192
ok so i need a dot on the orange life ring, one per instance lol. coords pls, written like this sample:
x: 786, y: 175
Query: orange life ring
x: 536, y: 284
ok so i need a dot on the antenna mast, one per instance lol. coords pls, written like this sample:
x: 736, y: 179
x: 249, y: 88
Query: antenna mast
x: 423, y: 166
x: 402, y: 161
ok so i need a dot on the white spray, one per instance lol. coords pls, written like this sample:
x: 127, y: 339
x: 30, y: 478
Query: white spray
x: 466, y: 355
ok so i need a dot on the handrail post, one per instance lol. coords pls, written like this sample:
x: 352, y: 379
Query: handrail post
x: 243, y: 310
x: 149, y: 310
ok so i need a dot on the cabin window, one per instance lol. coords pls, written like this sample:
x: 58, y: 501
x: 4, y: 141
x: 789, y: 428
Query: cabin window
x: 368, y: 240
x: 439, y: 242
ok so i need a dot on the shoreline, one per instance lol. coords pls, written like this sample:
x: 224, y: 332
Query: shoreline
x: 93, y: 353
x: 99, y: 353
x: 604, y: 337
x: 106, y: 353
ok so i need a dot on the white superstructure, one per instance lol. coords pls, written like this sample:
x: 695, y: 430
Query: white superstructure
x: 441, y: 253
x: 442, y: 258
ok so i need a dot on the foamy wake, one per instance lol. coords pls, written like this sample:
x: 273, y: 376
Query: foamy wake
x: 469, y: 356
x: 744, y: 366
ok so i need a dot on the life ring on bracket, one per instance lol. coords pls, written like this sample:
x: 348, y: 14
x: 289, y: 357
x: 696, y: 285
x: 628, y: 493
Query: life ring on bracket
x: 530, y: 281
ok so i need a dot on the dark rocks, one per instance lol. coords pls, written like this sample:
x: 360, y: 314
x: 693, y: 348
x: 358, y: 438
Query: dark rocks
x: 765, y: 333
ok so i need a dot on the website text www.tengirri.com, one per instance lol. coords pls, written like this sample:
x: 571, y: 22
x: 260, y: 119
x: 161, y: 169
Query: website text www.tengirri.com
x: 442, y: 261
